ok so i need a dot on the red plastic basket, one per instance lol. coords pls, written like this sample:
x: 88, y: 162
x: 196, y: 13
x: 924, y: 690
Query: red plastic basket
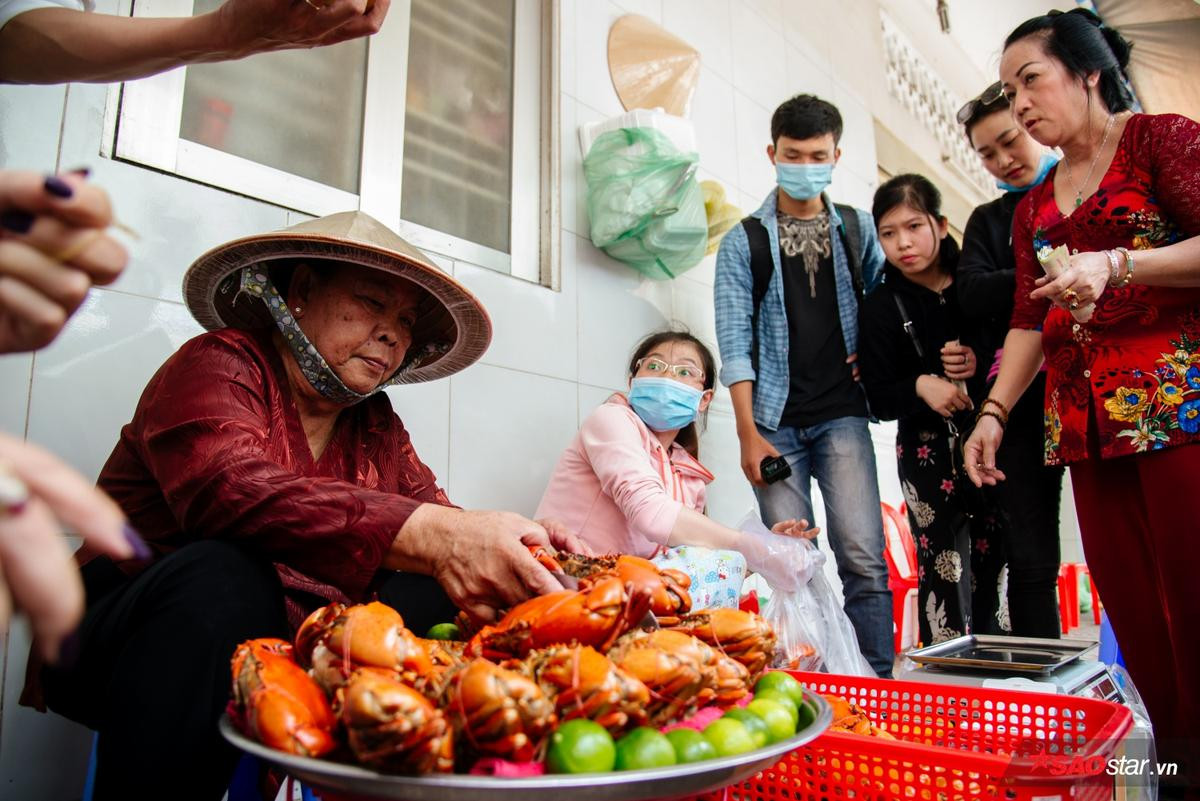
x: 952, y: 744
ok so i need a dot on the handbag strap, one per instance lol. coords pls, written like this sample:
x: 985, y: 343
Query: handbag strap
x: 908, y: 326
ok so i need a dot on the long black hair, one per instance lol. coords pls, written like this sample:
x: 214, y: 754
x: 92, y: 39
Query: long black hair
x: 1083, y: 44
x: 919, y: 194
x: 689, y: 435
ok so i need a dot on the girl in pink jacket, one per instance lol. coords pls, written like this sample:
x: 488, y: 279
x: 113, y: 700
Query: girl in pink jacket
x: 630, y: 482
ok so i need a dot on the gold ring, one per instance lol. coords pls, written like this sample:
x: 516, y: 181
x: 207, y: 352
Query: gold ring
x: 1071, y: 297
x: 14, y: 495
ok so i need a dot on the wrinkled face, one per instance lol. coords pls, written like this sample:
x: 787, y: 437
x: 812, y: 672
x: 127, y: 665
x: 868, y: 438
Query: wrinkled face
x: 680, y: 361
x: 359, y: 319
x: 1007, y: 152
x: 1048, y: 102
x: 908, y: 239
x: 817, y: 150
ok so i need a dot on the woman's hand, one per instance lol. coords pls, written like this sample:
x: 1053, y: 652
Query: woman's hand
x: 942, y: 396
x: 979, y: 452
x: 1086, y: 277
x: 38, y: 495
x: 52, y: 250
x: 796, y: 528
x: 257, y: 26
x: 958, y: 361
x: 755, y: 448
x: 561, y: 537
x: 480, y: 558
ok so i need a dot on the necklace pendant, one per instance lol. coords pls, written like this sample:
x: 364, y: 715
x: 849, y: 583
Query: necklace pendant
x: 1078, y: 201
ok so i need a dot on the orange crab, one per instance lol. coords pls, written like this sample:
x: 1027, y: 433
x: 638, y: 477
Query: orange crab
x: 391, y: 727
x: 586, y: 684
x: 743, y: 636
x: 595, y: 616
x: 336, y: 639
x: 282, y: 707
x: 671, y: 666
x: 667, y: 589
x: 497, y: 712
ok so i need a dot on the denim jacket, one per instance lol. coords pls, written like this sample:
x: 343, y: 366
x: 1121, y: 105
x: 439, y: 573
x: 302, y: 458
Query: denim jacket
x: 733, y: 295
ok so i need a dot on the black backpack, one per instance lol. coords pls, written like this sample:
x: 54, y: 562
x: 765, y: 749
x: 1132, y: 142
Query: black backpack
x: 762, y: 265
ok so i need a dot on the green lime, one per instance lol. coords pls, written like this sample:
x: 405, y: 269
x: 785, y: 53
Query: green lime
x: 581, y: 746
x: 775, y: 715
x: 778, y: 680
x: 644, y: 747
x: 753, y: 723
x: 444, y: 631
x: 690, y: 746
x: 808, y: 714
x: 784, y: 700
x: 729, y: 736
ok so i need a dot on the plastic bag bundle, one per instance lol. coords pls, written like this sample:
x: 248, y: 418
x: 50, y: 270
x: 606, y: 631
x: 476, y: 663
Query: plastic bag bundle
x: 812, y: 629
x: 644, y: 204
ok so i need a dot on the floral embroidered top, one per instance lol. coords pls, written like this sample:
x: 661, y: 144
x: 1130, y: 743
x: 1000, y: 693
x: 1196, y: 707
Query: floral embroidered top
x: 1136, y: 362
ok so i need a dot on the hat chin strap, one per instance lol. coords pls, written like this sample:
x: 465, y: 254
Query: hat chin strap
x: 312, y: 364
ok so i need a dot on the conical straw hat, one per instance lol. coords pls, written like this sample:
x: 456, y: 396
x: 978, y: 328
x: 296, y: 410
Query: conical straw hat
x: 451, y: 317
x: 650, y: 67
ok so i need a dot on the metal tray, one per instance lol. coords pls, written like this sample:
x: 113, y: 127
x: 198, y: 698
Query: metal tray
x: 990, y: 652
x: 631, y: 785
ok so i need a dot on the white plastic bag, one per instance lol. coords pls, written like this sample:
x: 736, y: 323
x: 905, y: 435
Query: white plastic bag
x: 812, y: 630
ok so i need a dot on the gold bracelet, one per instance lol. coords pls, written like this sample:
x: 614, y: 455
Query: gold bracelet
x: 985, y: 413
x: 1128, y: 268
x: 1003, y: 409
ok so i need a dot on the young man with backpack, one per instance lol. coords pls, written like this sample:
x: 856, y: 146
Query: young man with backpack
x: 788, y: 283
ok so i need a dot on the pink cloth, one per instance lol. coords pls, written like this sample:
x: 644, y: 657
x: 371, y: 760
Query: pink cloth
x: 617, y: 488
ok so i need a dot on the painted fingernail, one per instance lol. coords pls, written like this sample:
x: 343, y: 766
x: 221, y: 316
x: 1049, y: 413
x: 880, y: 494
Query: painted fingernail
x: 141, y: 551
x: 17, y: 221
x: 58, y: 187
x: 68, y: 650
x: 82, y: 172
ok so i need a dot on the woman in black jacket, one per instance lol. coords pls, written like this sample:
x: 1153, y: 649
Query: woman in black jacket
x: 918, y: 357
x: 1030, y: 498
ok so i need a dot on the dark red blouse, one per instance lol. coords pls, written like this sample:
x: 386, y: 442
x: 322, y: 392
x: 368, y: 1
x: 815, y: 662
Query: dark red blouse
x: 1137, y: 361
x: 216, y: 449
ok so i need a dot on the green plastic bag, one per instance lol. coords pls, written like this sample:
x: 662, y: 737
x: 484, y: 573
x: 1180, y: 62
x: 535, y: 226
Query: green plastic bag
x: 643, y: 202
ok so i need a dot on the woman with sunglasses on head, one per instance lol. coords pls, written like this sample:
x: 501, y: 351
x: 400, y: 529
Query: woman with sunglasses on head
x: 631, y: 481
x: 919, y: 367
x: 986, y: 281
x: 1120, y: 331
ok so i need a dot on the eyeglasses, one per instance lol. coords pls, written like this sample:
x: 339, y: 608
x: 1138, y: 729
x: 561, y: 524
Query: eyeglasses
x: 993, y: 94
x: 687, y: 372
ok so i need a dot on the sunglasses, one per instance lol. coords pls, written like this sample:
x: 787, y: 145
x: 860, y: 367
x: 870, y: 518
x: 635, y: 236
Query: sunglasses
x: 993, y: 94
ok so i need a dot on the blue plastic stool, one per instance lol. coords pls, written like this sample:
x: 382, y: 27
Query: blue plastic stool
x: 1110, y: 652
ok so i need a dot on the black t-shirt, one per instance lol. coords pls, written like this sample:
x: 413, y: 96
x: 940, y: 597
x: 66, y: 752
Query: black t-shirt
x: 821, y: 384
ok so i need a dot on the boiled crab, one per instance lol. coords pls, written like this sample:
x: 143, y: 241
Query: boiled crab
x: 392, y: 727
x: 666, y: 588
x: 670, y: 665
x: 743, y: 636
x: 335, y: 640
x: 497, y: 712
x: 584, y: 683
x: 280, y: 705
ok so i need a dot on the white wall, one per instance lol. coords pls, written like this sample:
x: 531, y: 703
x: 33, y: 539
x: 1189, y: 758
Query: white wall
x: 556, y: 353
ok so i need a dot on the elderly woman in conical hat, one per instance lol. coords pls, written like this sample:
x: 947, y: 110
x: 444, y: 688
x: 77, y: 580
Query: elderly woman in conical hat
x: 270, y: 476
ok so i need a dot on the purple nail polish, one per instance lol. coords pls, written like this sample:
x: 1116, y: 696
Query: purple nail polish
x: 58, y: 187
x: 141, y: 551
x: 17, y: 221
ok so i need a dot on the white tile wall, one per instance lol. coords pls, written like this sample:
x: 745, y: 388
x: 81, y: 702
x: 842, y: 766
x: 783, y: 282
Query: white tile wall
x: 87, y: 383
x: 507, y: 430
x: 712, y: 108
x: 760, y: 59
x: 704, y: 24
x: 15, y: 370
x: 752, y: 127
x: 27, y: 113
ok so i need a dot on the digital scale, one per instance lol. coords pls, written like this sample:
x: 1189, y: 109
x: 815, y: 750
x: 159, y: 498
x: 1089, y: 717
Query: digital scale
x: 1036, y: 665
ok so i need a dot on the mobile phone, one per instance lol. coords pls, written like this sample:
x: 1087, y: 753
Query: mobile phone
x: 774, y: 468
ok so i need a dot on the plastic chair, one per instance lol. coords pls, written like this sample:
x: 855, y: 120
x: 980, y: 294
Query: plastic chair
x: 1068, y: 595
x: 901, y: 553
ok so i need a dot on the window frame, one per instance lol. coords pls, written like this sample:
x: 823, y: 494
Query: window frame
x: 144, y: 119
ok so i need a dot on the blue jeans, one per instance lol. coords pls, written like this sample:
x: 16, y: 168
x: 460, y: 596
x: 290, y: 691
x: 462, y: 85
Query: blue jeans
x: 840, y: 455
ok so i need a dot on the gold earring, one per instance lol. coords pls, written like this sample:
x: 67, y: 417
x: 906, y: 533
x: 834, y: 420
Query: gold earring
x: 297, y: 310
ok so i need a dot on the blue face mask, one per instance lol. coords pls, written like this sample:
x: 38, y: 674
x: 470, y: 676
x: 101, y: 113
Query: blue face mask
x: 1047, y: 161
x: 803, y: 181
x: 664, y: 404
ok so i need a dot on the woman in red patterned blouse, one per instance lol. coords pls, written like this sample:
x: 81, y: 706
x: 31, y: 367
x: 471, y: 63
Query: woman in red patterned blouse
x: 270, y: 475
x: 1120, y: 332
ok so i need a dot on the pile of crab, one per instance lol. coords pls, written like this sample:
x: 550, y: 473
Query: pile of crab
x: 357, y: 684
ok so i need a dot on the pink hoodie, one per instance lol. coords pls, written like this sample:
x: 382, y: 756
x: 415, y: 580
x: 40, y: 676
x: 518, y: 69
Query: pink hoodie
x: 617, y: 488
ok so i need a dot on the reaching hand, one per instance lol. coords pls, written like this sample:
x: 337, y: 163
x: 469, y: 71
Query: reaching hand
x: 258, y: 26
x: 796, y: 528
x: 979, y: 452
x: 37, y: 491
x: 53, y: 249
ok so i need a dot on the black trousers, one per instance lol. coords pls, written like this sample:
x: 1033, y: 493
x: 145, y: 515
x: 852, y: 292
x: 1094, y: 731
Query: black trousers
x: 153, y: 675
x: 1030, y: 498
